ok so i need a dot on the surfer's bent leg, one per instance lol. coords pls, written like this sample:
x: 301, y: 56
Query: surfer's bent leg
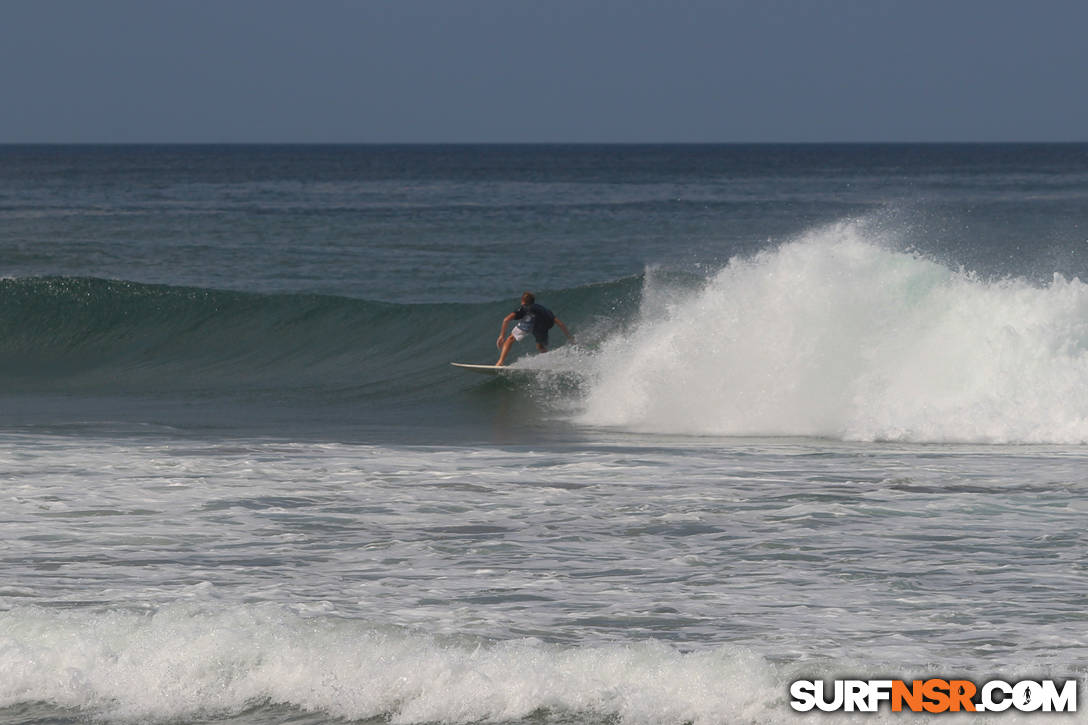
x: 506, y: 349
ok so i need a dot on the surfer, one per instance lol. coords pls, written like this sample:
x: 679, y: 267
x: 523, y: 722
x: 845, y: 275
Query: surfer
x: 532, y: 318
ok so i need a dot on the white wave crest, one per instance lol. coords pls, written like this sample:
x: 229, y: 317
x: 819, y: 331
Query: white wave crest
x: 835, y: 335
x: 185, y: 661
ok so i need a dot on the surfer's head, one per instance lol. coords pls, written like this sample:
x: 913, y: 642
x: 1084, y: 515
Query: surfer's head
x: 528, y: 298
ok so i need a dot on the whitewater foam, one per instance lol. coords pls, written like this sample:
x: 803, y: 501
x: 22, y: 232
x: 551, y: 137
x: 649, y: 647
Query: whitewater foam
x: 837, y: 335
x: 185, y: 661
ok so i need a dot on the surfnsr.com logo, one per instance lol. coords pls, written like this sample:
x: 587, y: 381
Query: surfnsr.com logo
x: 934, y: 695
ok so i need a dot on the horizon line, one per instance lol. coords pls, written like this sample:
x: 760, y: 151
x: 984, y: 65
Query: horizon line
x: 544, y: 143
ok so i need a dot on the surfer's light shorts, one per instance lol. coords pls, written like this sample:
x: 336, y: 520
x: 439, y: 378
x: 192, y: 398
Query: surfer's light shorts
x: 520, y: 333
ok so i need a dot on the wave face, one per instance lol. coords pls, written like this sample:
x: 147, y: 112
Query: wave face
x: 101, y: 336
x: 836, y: 335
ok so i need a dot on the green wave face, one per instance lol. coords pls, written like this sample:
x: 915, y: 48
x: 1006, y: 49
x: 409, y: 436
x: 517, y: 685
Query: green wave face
x: 86, y: 334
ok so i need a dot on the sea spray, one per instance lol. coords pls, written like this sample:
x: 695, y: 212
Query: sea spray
x: 836, y: 335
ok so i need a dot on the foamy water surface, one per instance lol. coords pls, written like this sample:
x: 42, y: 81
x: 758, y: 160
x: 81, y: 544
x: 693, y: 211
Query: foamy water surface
x: 152, y: 579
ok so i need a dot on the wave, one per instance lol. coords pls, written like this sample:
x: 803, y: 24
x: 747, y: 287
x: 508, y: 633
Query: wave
x: 185, y: 661
x: 258, y: 663
x: 101, y: 336
x: 835, y: 334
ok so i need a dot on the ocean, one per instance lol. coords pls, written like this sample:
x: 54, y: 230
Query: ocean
x: 825, y: 416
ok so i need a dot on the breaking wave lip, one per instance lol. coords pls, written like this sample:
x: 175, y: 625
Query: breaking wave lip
x: 839, y: 335
x: 186, y: 661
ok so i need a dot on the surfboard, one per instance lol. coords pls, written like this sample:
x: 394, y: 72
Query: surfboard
x: 483, y: 369
x: 521, y: 373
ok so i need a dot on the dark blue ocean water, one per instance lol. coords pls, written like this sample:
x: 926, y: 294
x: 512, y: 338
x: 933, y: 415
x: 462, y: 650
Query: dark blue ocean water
x: 447, y: 223
x: 826, y: 413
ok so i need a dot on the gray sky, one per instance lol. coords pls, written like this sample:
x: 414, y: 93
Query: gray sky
x: 537, y: 70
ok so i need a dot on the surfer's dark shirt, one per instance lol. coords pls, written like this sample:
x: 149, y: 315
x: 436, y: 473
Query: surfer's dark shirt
x: 537, y: 318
